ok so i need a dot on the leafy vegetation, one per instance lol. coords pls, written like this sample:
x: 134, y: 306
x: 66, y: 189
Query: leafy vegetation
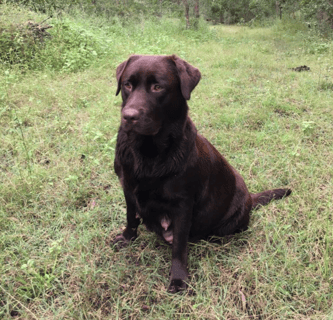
x: 61, y: 204
x: 317, y: 13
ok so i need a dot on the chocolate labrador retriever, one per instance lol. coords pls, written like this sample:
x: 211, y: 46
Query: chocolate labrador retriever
x: 173, y: 179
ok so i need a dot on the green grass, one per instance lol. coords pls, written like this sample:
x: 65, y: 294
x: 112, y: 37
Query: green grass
x: 61, y: 204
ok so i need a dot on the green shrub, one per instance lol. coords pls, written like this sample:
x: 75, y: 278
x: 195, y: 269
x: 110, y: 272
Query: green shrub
x: 47, y: 6
x: 72, y: 48
x: 20, y: 42
x: 60, y: 45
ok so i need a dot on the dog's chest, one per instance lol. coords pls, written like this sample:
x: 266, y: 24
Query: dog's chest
x: 155, y: 208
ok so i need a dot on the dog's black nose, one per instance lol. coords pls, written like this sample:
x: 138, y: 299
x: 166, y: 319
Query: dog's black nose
x: 130, y: 115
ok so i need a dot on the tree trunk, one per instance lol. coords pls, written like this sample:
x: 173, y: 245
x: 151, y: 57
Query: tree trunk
x: 187, y: 13
x: 278, y: 7
x: 196, y: 9
x: 221, y: 16
x: 330, y: 15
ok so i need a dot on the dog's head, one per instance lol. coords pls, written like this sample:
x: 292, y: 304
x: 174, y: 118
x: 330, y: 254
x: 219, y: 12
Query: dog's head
x: 154, y: 91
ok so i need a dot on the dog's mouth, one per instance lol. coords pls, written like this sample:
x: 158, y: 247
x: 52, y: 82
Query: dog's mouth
x: 147, y: 128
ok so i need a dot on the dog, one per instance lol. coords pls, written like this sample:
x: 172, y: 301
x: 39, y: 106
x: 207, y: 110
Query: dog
x: 173, y: 179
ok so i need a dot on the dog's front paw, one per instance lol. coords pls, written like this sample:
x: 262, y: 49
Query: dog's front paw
x: 177, y: 285
x: 120, y: 241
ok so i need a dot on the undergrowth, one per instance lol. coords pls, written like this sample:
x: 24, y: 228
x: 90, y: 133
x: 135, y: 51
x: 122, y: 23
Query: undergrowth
x: 61, y: 204
x: 71, y: 45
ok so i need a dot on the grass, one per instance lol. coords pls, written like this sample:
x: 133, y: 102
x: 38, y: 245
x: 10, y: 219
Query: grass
x: 61, y: 204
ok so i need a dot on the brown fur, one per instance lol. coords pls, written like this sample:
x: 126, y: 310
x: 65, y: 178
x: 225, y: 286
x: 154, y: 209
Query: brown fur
x: 173, y: 179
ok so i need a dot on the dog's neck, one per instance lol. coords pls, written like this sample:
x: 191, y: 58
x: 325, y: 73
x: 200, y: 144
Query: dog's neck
x: 164, y: 146
x: 170, y: 135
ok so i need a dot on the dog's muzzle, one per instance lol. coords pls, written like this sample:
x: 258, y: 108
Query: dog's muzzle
x: 136, y: 120
x: 130, y: 118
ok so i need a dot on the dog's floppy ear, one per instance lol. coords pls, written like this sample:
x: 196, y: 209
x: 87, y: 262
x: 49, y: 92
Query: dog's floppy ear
x: 121, y: 68
x: 189, y: 76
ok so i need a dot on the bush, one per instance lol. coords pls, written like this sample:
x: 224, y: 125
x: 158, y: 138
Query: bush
x: 71, y: 49
x: 60, y: 45
x: 47, y: 6
x: 19, y: 43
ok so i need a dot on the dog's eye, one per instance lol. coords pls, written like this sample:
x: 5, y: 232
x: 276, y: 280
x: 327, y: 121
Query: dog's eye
x: 156, y: 88
x: 128, y: 86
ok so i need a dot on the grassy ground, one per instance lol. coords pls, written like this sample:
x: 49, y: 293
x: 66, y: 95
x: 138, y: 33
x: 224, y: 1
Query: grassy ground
x: 61, y: 204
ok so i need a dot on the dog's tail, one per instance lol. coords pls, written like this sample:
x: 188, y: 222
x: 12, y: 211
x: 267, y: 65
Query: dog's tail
x: 263, y: 198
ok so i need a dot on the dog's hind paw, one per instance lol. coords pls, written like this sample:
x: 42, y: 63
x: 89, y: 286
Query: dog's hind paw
x: 177, y: 285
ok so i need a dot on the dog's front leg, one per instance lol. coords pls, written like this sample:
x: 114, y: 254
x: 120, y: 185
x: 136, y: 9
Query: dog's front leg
x: 130, y: 232
x: 181, y: 229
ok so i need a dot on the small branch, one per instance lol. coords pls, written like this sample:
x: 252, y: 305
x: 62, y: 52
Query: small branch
x: 46, y: 20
